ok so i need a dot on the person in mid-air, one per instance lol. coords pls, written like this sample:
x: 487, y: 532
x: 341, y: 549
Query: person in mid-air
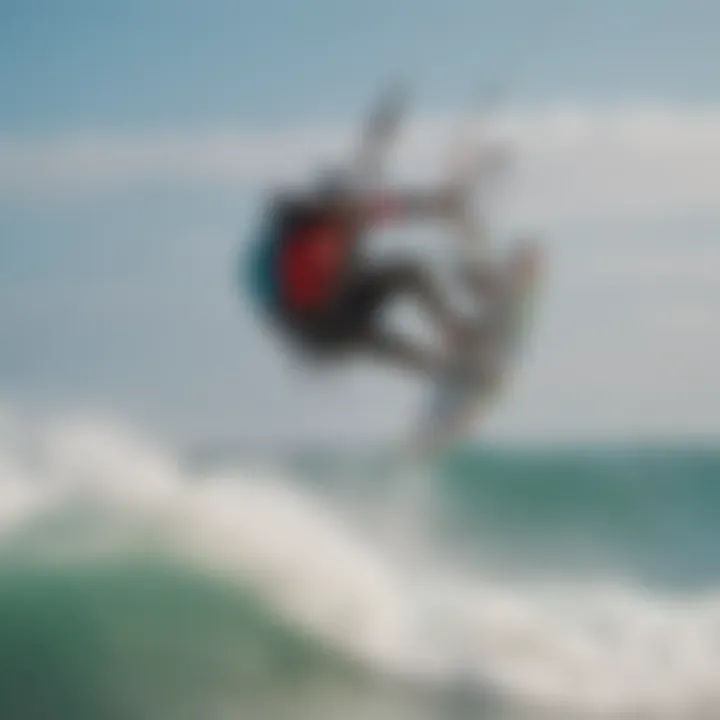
x: 308, y: 271
x: 310, y: 276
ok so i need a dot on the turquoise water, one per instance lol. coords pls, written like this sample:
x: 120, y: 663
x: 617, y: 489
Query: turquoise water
x: 497, y: 583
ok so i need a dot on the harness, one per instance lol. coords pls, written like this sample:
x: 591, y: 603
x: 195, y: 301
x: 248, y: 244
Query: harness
x: 296, y: 262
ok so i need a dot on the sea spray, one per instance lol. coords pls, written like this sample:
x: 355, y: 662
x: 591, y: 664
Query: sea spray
x: 117, y: 559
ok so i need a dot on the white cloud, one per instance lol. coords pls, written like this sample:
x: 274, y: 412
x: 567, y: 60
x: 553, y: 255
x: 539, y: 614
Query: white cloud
x: 87, y: 164
x: 692, y: 265
x: 690, y: 319
x: 571, y: 161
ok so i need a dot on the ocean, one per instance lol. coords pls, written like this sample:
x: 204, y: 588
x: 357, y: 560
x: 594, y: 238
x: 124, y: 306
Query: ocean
x: 144, y: 582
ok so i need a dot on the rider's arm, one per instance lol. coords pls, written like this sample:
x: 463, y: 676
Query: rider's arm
x: 410, y: 207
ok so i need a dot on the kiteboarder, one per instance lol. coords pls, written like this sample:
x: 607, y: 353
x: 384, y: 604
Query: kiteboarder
x: 311, y: 277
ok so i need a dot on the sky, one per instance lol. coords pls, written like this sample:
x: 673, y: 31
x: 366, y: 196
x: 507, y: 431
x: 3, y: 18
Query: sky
x: 138, y: 139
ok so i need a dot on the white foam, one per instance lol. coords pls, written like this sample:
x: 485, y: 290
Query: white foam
x: 604, y: 648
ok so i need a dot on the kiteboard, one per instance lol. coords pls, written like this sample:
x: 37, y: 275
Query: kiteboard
x: 479, y: 368
x: 478, y: 371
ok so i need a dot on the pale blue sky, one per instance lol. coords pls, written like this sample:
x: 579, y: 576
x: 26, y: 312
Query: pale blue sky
x: 117, y: 294
x: 170, y: 63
